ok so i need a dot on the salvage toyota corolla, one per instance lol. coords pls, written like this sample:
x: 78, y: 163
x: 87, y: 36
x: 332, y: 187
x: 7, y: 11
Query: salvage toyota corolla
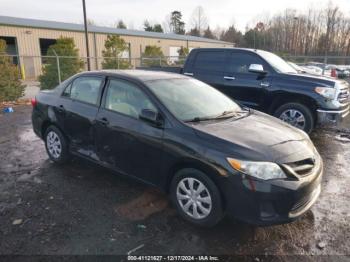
x: 211, y: 155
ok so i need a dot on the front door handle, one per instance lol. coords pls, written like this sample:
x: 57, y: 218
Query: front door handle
x: 188, y: 74
x: 104, y: 121
x: 265, y: 84
x: 229, y: 77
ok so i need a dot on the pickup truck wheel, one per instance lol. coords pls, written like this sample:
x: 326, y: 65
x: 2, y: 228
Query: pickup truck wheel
x: 196, y: 197
x: 56, y: 145
x: 296, y: 115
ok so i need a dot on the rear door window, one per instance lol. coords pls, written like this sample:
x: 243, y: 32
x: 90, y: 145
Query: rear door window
x: 210, y: 61
x: 85, y: 89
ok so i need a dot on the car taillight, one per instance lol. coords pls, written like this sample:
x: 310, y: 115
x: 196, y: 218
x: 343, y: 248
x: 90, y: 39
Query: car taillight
x: 333, y: 73
x: 34, y: 102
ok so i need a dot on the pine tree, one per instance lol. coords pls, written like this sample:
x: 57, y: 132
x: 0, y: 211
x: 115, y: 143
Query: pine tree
x: 194, y: 32
x: 176, y: 23
x: 10, y: 86
x: 114, y: 48
x: 208, y: 33
x: 183, y: 51
x: 155, y: 28
x: 121, y: 24
x: 69, y: 63
x: 153, y: 56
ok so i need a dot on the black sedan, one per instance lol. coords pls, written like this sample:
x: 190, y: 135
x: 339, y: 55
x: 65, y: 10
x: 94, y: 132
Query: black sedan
x: 185, y: 137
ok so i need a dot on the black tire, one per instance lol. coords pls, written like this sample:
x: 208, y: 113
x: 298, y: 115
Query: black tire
x: 63, y: 155
x: 305, y: 111
x: 216, y: 211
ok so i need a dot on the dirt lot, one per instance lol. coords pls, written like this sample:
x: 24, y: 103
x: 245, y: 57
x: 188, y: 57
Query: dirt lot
x: 84, y: 209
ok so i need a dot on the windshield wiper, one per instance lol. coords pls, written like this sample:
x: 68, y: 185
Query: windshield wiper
x: 199, y: 119
x: 224, y: 114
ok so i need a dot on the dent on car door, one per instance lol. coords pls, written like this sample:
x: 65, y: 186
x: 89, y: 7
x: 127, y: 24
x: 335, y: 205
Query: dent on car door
x: 78, y: 106
x: 244, y: 86
x: 124, y: 142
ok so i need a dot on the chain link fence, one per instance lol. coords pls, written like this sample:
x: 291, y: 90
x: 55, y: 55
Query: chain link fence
x: 31, y: 67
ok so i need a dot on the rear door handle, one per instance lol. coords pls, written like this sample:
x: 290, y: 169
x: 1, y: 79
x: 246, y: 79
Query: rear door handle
x: 188, y: 74
x: 229, y: 77
x: 104, y: 121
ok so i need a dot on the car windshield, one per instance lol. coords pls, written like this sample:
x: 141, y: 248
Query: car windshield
x: 277, y: 63
x: 295, y: 66
x: 192, y: 100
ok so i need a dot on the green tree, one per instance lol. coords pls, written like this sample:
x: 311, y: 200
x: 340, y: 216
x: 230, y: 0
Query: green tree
x: 147, y: 26
x: 114, y: 48
x: 176, y: 24
x: 233, y: 36
x: 10, y: 86
x: 194, y: 32
x: 155, y: 28
x: 183, y: 51
x: 121, y: 24
x: 69, y: 63
x: 158, y: 28
x: 208, y: 33
x: 153, y: 56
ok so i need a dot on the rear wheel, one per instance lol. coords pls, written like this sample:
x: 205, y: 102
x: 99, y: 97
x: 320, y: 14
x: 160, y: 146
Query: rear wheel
x: 297, y: 115
x: 196, y: 197
x: 56, y: 145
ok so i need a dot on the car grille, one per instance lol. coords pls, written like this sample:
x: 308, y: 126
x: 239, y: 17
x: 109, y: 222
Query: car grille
x: 344, y: 94
x: 303, y: 167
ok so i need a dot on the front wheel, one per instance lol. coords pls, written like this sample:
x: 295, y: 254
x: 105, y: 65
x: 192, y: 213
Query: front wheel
x: 296, y: 115
x: 196, y: 197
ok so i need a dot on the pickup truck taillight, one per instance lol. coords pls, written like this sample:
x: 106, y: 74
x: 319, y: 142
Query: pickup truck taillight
x: 34, y: 102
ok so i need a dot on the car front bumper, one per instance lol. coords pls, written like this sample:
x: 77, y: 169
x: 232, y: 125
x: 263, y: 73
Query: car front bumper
x: 332, y: 116
x: 271, y: 202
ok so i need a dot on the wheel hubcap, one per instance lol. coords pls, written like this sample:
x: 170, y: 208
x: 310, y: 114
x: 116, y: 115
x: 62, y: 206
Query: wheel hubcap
x: 293, y: 117
x: 54, y: 144
x: 194, y: 198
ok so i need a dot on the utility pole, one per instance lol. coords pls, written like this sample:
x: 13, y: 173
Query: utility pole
x: 86, y: 37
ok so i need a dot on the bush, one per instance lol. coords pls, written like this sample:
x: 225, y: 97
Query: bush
x: 10, y: 86
x: 153, y: 56
x: 114, y: 48
x: 183, y: 51
x: 70, y: 65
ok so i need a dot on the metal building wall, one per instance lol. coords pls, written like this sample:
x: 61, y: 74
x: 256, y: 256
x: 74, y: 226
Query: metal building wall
x: 28, y: 44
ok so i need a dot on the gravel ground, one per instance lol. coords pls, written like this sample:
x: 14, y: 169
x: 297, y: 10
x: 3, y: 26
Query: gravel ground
x: 47, y: 209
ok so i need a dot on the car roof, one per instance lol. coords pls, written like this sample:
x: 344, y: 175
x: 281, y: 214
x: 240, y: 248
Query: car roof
x: 228, y: 48
x: 141, y: 75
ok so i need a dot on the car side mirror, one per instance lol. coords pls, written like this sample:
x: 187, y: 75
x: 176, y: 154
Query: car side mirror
x: 150, y: 116
x: 257, y: 68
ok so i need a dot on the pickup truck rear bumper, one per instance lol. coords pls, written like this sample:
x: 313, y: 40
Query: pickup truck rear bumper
x: 332, y: 116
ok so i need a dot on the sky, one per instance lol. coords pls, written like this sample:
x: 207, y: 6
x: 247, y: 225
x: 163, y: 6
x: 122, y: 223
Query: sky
x: 133, y: 12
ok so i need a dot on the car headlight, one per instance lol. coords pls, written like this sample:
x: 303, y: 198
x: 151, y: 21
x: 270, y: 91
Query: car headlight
x: 326, y: 92
x: 261, y: 170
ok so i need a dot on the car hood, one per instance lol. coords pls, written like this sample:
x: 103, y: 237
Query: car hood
x: 314, y: 79
x: 257, y: 137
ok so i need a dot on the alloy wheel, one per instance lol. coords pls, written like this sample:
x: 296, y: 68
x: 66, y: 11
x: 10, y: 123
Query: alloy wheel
x: 53, y: 144
x: 293, y: 117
